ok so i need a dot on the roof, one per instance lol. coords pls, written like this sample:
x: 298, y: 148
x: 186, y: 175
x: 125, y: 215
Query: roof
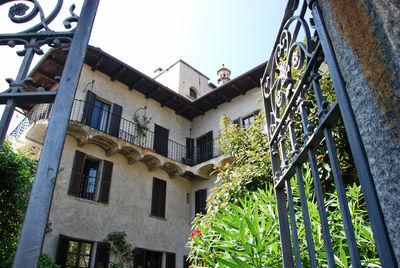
x: 52, y: 65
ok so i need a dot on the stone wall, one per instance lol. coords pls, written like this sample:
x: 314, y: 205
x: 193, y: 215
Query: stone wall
x: 366, y: 39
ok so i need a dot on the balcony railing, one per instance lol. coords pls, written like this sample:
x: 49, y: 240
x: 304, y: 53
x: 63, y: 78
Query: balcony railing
x: 128, y: 131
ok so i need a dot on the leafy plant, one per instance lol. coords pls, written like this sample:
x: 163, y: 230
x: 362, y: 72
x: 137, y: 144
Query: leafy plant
x: 142, y: 124
x: 122, y: 250
x: 240, y: 226
x: 17, y: 171
x: 46, y: 262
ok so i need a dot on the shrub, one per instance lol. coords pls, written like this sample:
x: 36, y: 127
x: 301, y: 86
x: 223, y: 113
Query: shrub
x: 17, y: 170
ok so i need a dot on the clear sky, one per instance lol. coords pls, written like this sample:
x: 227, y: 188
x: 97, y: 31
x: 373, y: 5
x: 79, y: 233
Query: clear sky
x: 156, y: 33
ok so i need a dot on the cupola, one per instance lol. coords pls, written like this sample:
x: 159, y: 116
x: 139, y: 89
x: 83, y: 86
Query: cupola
x: 223, y: 75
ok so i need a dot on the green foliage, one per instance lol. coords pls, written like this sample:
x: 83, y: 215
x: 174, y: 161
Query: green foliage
x: 122, y: 251
x: 240, y: 228
x: 142, y: 125
x: 46, y: 262
x: 17, y: 170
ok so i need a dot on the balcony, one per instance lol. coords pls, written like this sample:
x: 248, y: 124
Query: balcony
x: 155, y: 152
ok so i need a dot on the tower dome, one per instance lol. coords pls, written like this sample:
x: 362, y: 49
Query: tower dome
x: 223, y: 75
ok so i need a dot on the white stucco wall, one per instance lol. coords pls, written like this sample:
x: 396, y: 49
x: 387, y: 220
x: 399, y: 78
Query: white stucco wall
x: 180, y: 77
x: 191, y: 78
x: 170, y: 77
x: 128, y: 208
x: 240, y: 106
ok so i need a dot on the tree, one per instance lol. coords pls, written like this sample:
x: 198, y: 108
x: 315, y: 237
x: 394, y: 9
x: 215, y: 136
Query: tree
x: 17, y: 170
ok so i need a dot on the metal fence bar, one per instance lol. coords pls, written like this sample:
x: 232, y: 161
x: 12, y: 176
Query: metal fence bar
x: 306, y: 218
x: 293, y: 224
x: 337, y: 175
x: 33, y: 230
x: 378, y: 225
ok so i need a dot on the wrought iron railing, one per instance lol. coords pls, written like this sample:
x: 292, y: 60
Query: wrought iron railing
x: 301, y: 114
x: 130, y: 132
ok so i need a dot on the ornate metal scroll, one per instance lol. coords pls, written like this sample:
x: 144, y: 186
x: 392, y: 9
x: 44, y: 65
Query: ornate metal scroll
x: 300, y: 116
x: 32, y: 39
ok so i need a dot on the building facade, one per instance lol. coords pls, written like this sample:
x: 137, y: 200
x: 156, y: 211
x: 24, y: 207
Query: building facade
x: 137, y: 156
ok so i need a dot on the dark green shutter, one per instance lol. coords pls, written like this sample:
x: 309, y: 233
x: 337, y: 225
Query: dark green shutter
x: 76, y: 176
x: 170, y: 260
x: 209, y: 145
x: 158, y: 198
x: 62, y: 250
x: 190, y: 149
x: 115, y: 120
x: 88, y: 107
x: 160, y: 144
x: 140, y: 258
x: 102, y: 254
x: 106, y: 181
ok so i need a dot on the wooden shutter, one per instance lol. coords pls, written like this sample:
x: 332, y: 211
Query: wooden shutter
x: 102, y: 254
x: 190, y: 148
x: 170, y: 260
x: 62, y: 250
x: 76, y: 176
x: 105, y: 181
x: 115, y: 120
x: 88, y: 107
x: 209, y: 145
x: 161, y: 140
x: 158, y: 198
x: 200, y: 201
x: 140, y: 258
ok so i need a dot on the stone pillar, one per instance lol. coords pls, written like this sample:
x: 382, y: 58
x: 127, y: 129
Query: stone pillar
x: 366, y: 38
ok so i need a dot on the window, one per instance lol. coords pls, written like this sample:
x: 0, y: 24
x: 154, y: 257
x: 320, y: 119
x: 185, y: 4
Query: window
x: 205, y: 147
x: 72, y: 252
x: 85, y: 176
x: 148, y: 259
x: 158, y: 198
x: 245, y: 121
x: 192, y: 93
x: 200, y: 201
x: 97, y: 114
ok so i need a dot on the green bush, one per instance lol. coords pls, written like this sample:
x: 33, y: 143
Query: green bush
x: 17, y: 170
x: 46, y: 262
x: 240, y: 228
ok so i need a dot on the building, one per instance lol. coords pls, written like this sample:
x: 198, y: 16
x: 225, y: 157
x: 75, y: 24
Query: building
x: 137, y: 156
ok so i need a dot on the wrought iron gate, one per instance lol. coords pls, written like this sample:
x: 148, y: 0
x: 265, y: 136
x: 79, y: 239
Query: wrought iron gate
x: 32, y: 39
x: 300, y: 115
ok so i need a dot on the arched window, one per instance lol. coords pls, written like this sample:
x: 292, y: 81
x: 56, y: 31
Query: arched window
x: 192, y: 93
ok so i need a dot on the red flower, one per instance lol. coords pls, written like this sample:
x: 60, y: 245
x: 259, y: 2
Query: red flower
x: 196, y: 232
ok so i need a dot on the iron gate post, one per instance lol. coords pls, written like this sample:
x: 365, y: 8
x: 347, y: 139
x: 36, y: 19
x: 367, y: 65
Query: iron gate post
x: 33, y: 230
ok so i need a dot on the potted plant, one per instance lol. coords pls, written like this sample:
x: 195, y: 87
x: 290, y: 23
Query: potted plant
x: 142, y: 125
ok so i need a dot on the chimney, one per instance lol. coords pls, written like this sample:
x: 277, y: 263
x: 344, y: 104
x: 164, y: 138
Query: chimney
x: 223, y: 75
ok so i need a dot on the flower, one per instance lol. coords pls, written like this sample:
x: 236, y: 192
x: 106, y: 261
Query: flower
x: 196, y: 232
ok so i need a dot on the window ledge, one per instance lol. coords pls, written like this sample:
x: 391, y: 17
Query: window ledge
x: 158, y: 217
x: 93, y: 202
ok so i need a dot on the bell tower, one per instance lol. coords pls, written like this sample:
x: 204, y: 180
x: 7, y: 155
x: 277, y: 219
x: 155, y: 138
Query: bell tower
x: 223, y: 75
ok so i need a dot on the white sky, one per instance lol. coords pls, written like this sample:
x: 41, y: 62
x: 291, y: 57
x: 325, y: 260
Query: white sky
x: 156, y: 33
